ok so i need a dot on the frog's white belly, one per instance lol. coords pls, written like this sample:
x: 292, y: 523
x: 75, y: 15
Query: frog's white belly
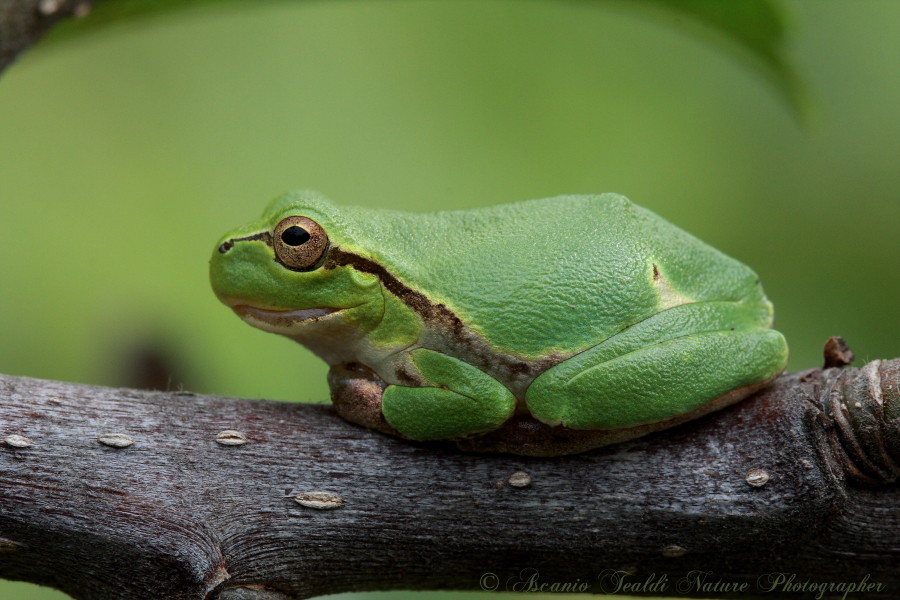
x: 330, y: 336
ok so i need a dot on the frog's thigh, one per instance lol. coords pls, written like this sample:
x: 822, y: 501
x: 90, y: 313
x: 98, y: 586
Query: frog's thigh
x: 655, y: 383
x: 460, y: 400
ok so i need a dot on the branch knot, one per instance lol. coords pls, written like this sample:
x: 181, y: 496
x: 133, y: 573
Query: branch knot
x: 864, y: 409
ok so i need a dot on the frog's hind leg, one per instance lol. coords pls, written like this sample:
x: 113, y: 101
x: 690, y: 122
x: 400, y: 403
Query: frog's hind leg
x: 680, y: 363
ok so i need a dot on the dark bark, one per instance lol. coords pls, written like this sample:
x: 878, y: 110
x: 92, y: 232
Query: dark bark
x: 24, y: 22
x: 787, y: 481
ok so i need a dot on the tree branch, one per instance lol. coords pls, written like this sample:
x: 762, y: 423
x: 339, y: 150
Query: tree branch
x: 24, y: 22
x: 115, y: 493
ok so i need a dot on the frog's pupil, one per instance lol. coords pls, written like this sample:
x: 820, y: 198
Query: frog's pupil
x: 295, y: 236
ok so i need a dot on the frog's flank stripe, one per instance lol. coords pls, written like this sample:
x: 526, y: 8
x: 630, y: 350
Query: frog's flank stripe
x: 415, y: 300
x: 426, y: 308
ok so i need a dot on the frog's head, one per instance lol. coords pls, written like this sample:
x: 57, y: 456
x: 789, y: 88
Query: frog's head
x: 278, y: 273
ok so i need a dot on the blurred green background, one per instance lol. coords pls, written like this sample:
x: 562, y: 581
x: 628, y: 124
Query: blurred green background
x: 126, y: 152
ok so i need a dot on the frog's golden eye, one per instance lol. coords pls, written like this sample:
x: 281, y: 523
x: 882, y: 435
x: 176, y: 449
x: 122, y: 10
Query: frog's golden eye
x: 299, y: 242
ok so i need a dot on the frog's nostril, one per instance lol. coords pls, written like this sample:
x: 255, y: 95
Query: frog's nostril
x: 226, y: 246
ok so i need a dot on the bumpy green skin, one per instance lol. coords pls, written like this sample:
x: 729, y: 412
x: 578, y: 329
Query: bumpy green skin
x: 588, y: 312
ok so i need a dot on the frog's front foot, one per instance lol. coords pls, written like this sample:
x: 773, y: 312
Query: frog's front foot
x: 454, y: 401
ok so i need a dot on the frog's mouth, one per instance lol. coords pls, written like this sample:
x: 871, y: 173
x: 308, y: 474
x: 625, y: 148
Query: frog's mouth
x: 281, y: 318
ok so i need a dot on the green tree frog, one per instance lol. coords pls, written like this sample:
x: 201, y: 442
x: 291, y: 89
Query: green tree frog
x: 542, y: 327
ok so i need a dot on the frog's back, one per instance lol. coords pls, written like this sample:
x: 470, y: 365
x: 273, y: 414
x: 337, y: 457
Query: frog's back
x: 555, y: 275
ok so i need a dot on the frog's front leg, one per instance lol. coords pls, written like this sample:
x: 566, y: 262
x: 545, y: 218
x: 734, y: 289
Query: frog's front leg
x: 457, y: 400
x: 690, y: 359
